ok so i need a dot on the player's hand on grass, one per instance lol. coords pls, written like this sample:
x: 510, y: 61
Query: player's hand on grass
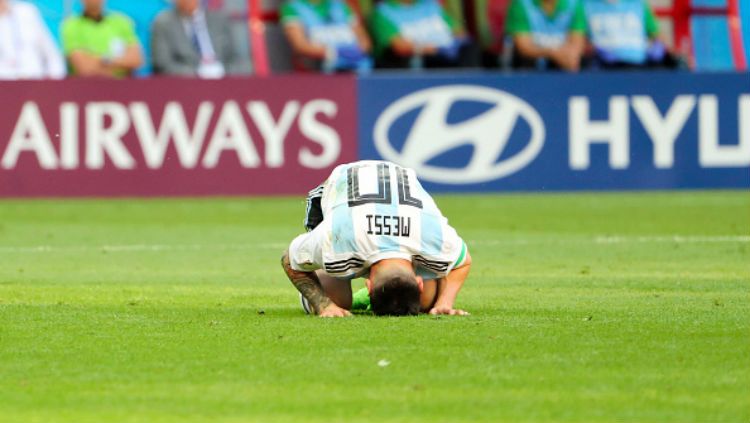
x: 334, y: 311
x: 450, y: 311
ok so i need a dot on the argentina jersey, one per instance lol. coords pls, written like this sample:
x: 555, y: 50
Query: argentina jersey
x: 375, y: 210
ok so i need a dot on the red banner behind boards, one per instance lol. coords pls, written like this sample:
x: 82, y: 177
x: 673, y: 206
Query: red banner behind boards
x: 278, y: 135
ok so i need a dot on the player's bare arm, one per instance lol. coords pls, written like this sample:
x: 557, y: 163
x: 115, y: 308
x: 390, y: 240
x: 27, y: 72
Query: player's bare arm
x: 309, y: 286
x: 448, y: 288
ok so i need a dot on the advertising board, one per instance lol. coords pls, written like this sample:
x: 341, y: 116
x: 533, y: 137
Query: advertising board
x: 535, y: 132
x: 279, y: 135
x: 470, y: 132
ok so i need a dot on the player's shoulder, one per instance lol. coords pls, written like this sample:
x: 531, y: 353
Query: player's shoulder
x: 364, y: 163
x: 375, y: 163
x: 343, y: 167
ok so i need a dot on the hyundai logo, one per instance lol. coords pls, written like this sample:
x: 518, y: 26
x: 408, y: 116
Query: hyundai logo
x: 431, y: 135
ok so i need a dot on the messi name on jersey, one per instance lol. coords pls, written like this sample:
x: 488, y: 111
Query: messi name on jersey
x: 388, y: 225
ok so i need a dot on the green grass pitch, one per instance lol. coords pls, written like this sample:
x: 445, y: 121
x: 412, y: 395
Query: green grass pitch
x: 585, y: 307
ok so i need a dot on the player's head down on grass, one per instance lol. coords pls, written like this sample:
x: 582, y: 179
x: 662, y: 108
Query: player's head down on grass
x: 394, y: 289
x: 358, y: 227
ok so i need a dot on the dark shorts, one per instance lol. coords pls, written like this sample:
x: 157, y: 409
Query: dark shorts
x: 313, y: 211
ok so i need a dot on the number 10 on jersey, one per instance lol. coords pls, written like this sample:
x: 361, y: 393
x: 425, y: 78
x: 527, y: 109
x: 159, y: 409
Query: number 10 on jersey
x: 383, y: 195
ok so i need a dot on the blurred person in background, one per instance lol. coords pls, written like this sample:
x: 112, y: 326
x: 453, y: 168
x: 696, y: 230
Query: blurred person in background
x: 188, y: 40
x: 27, y: 49
x: 419, y: 33
x: 328, y: 34
x: 99, y: 44
x: 624, y: 34
x: 547, y: 34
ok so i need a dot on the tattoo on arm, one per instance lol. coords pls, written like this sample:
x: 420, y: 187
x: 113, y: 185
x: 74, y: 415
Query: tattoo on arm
x: 307, y: 284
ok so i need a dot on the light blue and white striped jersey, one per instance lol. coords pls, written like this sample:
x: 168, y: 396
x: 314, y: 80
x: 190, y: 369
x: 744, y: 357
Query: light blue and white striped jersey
x: 374, y: 210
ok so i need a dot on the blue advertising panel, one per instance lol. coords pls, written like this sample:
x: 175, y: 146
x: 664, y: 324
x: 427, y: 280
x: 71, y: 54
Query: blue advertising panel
x: 597, y: 131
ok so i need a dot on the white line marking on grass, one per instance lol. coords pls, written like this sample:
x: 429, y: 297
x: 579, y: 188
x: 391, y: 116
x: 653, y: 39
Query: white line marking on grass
x: 126, y: 248
x: 139, y: 248
x: 614, y: 239
x: 678, y: 239
x: 188, y: 247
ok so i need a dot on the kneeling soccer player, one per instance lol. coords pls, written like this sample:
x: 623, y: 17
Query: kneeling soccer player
x: 373, y: 219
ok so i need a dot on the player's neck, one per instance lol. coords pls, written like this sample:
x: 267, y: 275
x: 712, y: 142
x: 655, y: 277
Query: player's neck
x: 389, y: 264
